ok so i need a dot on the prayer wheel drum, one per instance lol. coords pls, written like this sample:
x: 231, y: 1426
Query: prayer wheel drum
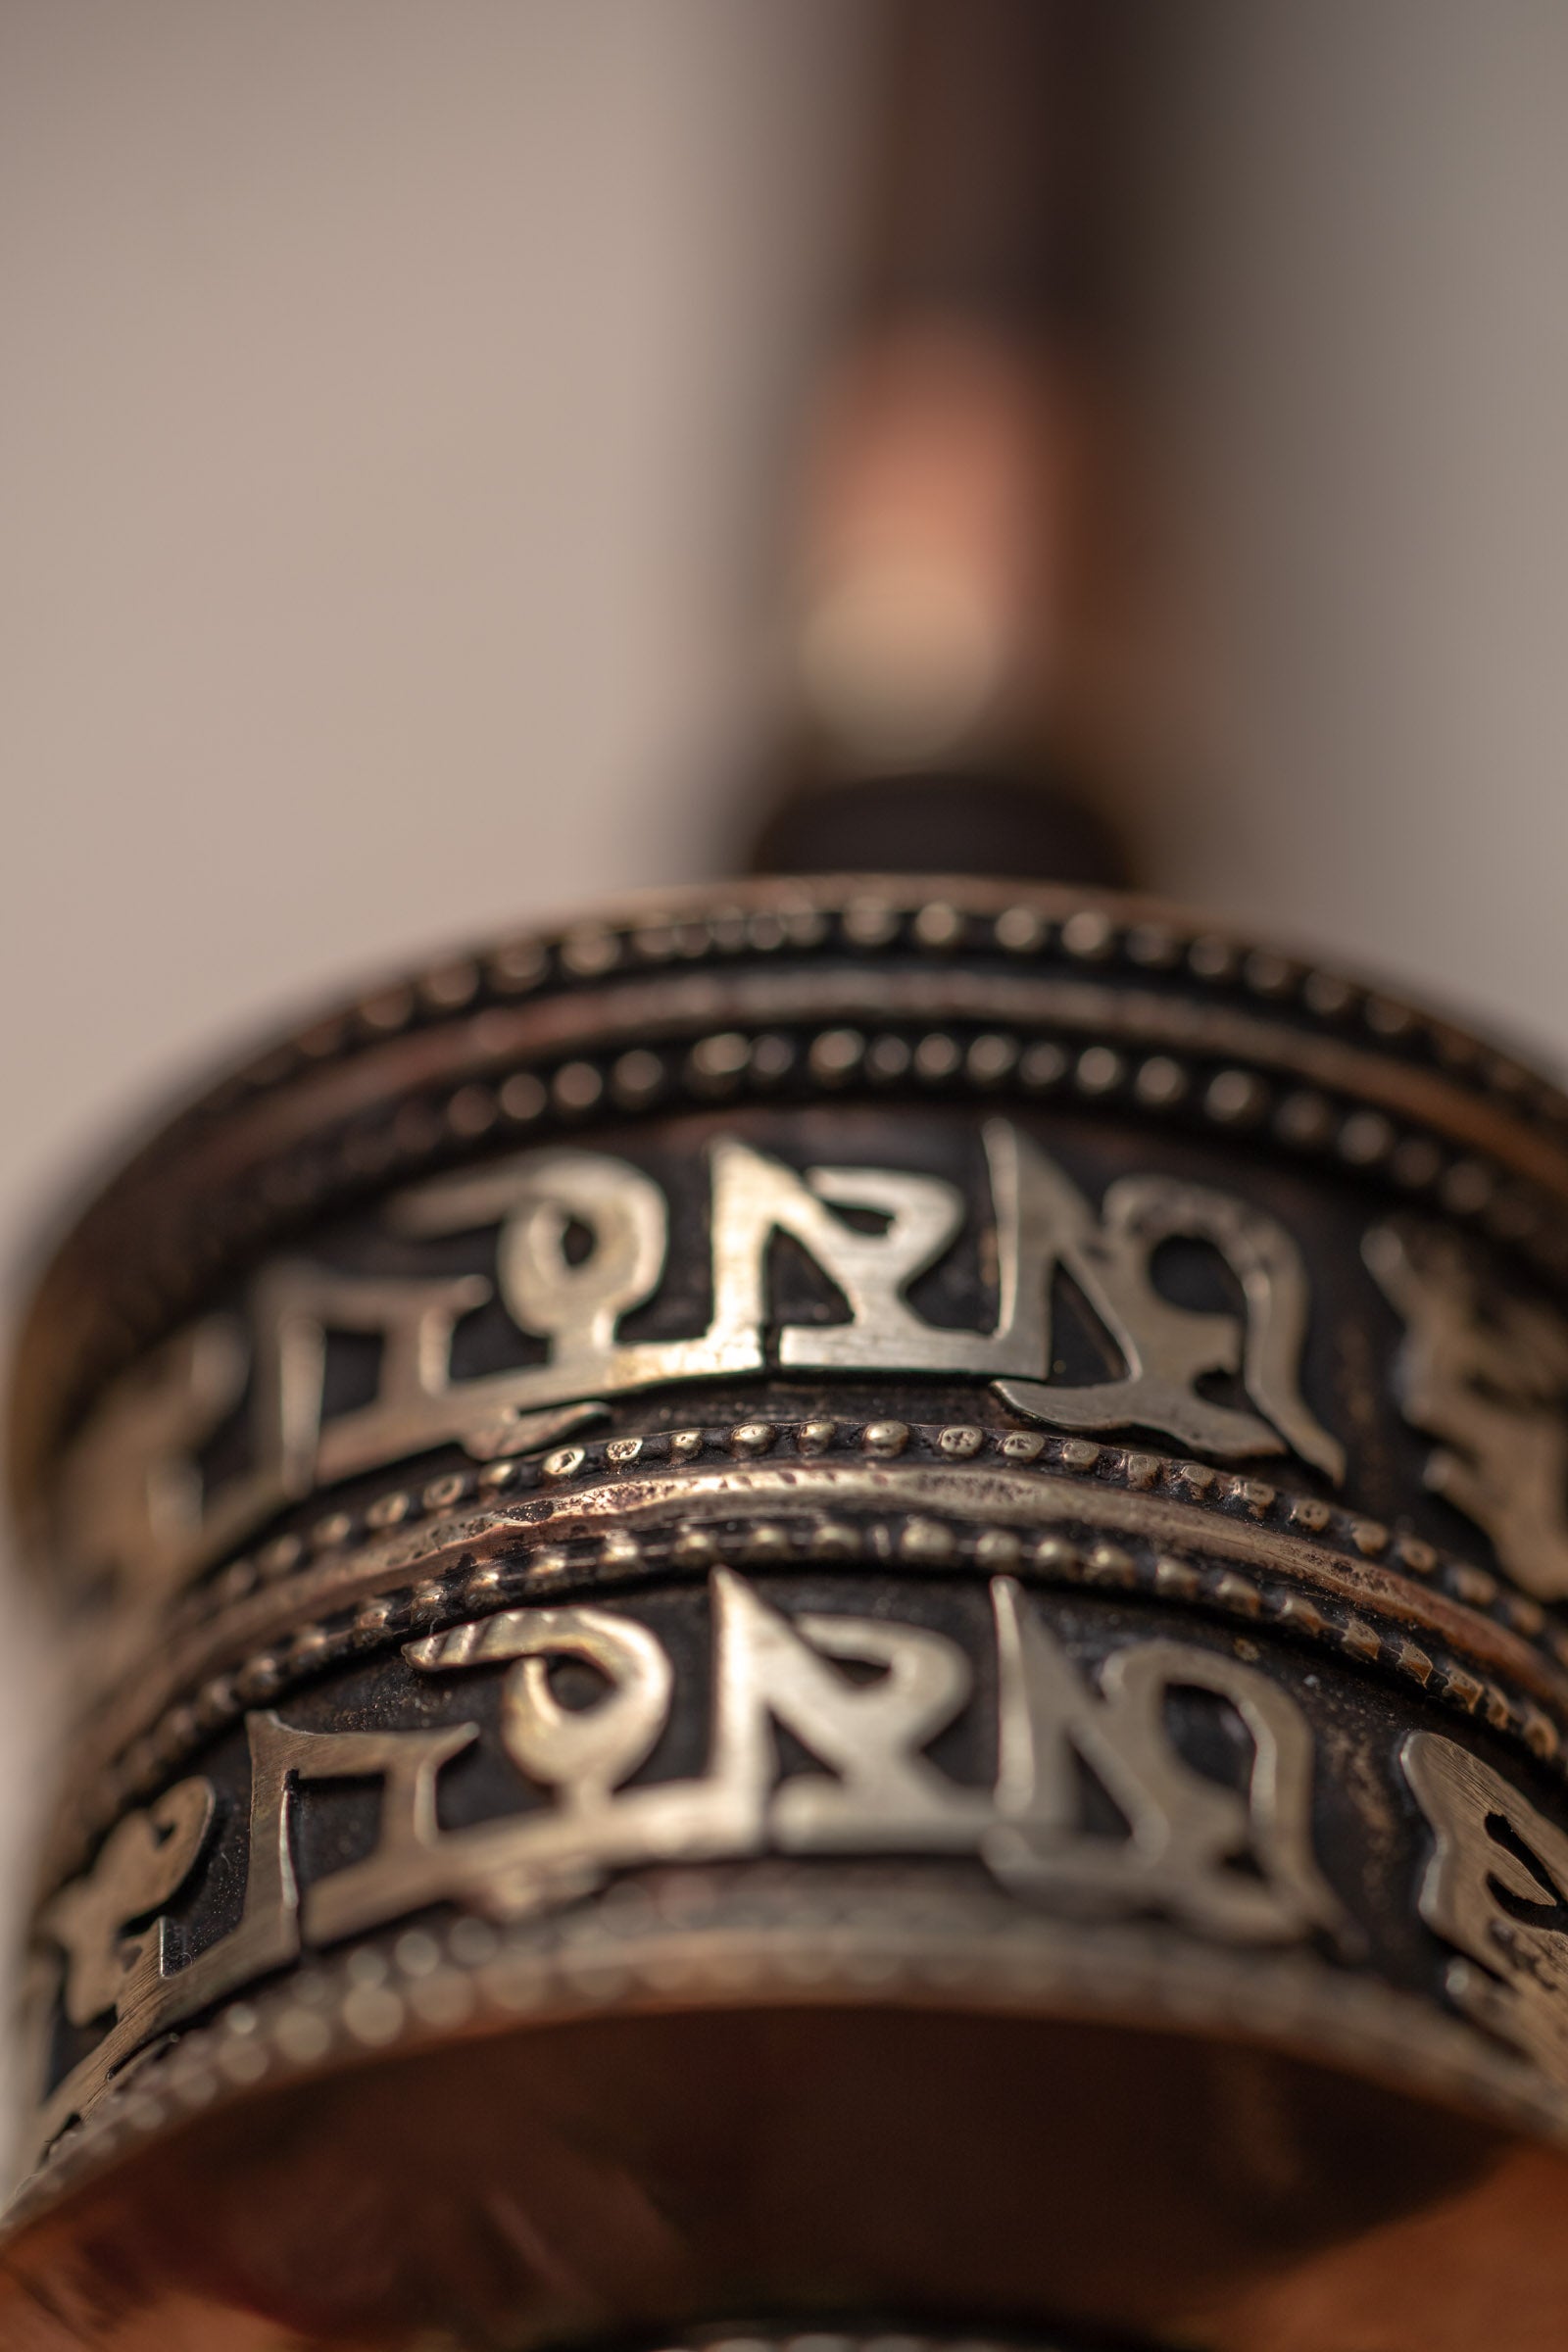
x: 840, y: 1600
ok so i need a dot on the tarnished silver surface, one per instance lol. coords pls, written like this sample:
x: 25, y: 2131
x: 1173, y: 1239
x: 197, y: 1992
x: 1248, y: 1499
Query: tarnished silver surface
x: 141, y: 1509
x: 816, y: 1531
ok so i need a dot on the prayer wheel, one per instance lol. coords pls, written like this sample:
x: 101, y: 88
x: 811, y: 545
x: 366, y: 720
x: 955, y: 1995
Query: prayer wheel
x: 826, y: 1614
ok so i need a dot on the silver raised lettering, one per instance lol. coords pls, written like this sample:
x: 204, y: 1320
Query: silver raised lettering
x: 1488, y: 1375
x: 137, y: 1503
x: 1503, y: 1912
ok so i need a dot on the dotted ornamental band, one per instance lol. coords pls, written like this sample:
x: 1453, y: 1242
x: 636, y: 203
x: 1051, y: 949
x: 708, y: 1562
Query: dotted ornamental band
x: 1016, y: 1401
x: 1089, y: 1750
x: 592, y: 1517
x: 980, y: 1456
x: 802, y: 990
x: 1058, y: 1269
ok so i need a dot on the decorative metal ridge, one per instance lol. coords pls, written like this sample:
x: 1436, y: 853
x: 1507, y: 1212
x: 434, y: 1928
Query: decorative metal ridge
x: 1159, y: 1015
x: 418, y: 1990
x: 982, y: 1507
x: 856, y: 1452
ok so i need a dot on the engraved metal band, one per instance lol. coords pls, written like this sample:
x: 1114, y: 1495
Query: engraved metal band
x: 864, y: 985
x: 997, y: 1531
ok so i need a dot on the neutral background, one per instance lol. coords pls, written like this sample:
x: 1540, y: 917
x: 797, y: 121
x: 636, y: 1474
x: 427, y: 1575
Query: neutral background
x: 393, y: 396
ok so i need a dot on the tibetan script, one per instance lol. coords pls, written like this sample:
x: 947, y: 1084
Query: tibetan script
x: 1496, y: 1888
x: 581, y: 1242
x: 1227, y: 1860
x: 1488, y: 1375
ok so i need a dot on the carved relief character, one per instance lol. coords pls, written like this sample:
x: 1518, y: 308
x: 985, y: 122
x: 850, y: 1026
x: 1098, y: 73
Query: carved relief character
x: 578, y: 1304
x: 131, y: 1495
x: 1509, y: 1914
x: 1167, y: 1350
x: 754, y: 1198
x: 576, y: 1301
x: 1185, y: 1830
x: 407, y: 1765
x: 1492, y: 1382
x: 768, y: 1670
x: 150, y: 1986
x: 534, y: 1198
x: 583, y: 1753
x: 144, y: 1861
x: 884, y: 1793
x: 1234, y: 1863
x: 295, y: 1305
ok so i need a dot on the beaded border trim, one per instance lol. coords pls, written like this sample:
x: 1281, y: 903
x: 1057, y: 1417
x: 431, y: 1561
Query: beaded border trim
x: 864, y: 920
x: 424, y: 1985
x: 1134, y: 1468
x: 435, y: 1566
x: 869, y: 916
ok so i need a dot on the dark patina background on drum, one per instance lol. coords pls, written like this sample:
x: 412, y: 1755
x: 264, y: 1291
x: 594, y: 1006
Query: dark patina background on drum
x: 855, y: 1447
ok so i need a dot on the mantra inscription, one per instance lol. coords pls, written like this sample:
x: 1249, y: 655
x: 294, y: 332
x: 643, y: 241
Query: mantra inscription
x: 1496, y: 1888
x: 863, y: 1697
x: 1487, y: 1375
x: 582, y: 1242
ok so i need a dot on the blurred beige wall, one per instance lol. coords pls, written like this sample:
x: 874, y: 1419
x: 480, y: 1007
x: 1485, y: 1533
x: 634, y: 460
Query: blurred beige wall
x: 386, y: 386
x: 1363, y: 332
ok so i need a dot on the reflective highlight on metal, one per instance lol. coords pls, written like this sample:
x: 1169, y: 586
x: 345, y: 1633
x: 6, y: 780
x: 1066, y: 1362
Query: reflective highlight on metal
x: 844, y: 1599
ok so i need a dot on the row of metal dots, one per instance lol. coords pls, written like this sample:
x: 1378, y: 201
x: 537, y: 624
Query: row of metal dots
x: 1090, y: 935
x: 1236, y: 1100
x: 1362, y: 1138
x: 1196, y: 1482
x: 923, y: 1544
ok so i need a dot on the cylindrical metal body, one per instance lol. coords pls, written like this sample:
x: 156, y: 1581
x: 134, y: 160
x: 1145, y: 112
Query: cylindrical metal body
x: 833, y: 1599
